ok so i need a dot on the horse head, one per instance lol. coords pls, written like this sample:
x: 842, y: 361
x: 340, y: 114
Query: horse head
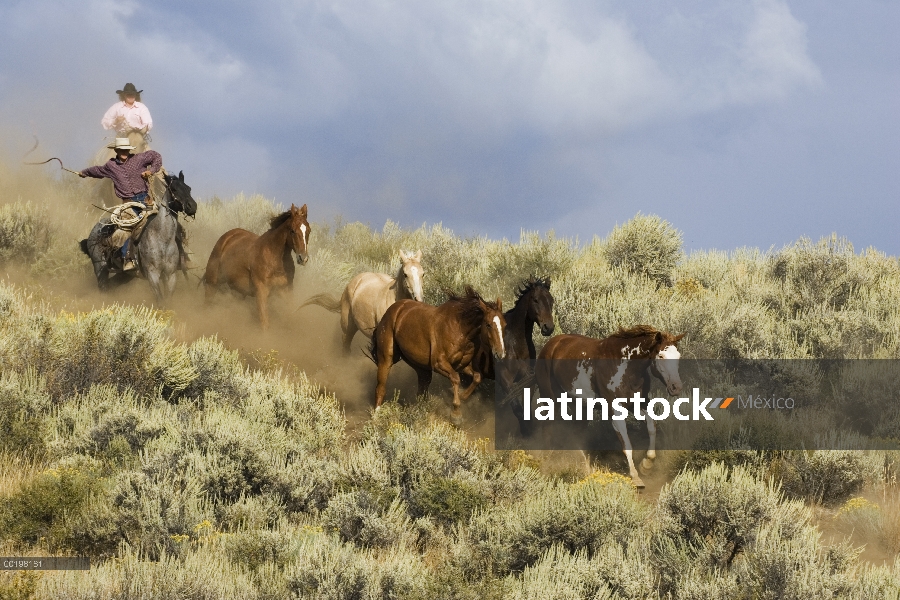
x: 300, y: 230
x: 493, y: 325
x: 536, y: 292
x: 664, y: 361
x: 413, y: 274
x: 180, y: 198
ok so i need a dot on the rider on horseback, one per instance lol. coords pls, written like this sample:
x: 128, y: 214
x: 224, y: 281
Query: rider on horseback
x: 129, y: 174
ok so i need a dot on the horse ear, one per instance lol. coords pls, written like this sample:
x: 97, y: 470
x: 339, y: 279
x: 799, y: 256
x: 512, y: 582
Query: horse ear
x: 677, y: 338
x: 547, y: 281
x: 499, y: 304
x: 303, y: 211
x: 181, y: 176
x: 403, y: 256
x: 418, y: 255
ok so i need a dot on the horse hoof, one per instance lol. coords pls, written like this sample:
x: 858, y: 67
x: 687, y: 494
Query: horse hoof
x: 456, y: 419
x: 638, y: 483
x: 647, y: 464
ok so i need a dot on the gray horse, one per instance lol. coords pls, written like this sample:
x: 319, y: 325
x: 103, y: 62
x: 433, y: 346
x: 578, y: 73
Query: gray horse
x: 158, y: 250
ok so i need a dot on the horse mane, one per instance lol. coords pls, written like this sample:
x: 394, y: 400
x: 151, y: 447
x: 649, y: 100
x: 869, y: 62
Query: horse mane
x: 469, y: 305
x: 278, y: 220
x: 636, y: 331
x: 529, y: 284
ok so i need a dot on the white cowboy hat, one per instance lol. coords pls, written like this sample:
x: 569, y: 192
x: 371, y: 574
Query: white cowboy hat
x: 123, y: 143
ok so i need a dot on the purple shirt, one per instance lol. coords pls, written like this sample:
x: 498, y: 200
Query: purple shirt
x: 126, y: 176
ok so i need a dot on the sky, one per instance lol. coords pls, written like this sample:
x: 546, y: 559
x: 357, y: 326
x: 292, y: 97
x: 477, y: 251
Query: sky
x: 742, y: 123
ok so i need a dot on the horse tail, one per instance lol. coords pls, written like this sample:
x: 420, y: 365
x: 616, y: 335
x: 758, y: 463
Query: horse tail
x: 329, y: 303
x: 83, y: 244
x: 372, y: 350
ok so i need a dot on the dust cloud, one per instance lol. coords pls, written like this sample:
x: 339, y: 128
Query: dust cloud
x: 308, y: 339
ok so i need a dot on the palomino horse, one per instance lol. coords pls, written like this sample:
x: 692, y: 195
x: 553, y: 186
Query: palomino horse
x: 257, y: 265
x: 632, y: 357
x: 441, y: 338
x: 368, y: 296
x: 157, y: 252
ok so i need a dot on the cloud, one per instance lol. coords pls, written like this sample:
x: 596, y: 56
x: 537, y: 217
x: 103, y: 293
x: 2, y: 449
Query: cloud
x: 387, y: 105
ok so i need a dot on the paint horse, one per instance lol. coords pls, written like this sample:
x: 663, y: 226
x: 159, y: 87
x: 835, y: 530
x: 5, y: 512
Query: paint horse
x: 441, y: 338
x: 614, y: 367
x: 368, y: 296
x: 257, y: 265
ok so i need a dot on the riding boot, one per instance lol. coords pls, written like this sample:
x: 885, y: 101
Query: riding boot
x: 129, y: 264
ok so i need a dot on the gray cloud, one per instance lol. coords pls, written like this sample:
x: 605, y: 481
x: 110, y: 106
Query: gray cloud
x: 478, y: 114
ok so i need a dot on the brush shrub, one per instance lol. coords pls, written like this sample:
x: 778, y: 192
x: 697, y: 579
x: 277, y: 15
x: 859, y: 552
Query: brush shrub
x: 362, y: 519
x: 41, y: 507
x: 446, y: 500
x: 25, y: 232
x: 584, y: 516
x: 645, y: 245
x: 719, y: 510
x: 23, y: 406
x: 145, y: 514
x: 327, y: 569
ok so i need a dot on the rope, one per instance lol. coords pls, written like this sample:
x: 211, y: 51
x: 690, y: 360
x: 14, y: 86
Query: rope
x: 124, y: 221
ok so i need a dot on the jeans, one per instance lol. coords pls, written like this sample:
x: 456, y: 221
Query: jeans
x: 142, y: 198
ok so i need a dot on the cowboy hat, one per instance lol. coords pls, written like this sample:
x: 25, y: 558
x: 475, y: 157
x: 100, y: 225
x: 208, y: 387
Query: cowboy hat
x: 123, y: 143
x: 129, y: 89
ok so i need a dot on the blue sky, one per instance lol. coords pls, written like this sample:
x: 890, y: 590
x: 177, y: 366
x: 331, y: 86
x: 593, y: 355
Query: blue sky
x: 742, y: 123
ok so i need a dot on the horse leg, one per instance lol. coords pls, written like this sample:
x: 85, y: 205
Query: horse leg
x: 262, y: 305
x: 169, y: 284
x: 647, y: 463
x: 155, y: 285
x: 349, y: 328
x: 622, y: 432
x: 476, y: 379
x: 385, y: 360
x: 424, y: 381
x: 445, y: 369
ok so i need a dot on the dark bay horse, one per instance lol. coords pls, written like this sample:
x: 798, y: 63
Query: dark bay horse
x: 157, y: 250
x: 441, y: 338
x: 534, y: 306
x: 257, y: 265
x: 614, y: 367
x: 368, y: 296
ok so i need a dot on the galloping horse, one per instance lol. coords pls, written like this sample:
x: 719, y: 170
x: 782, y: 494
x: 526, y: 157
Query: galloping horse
x: 156, y: 251
x: 257, y: 265
x: 441, y: 338
x: 534, y: 306
x: 368, y: 296
x: 631, y: 356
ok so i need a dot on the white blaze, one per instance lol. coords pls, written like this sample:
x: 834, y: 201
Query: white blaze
x: 417, y: 283
x: 303, y: 235
x: 668, y: 366
x: 500, y: 333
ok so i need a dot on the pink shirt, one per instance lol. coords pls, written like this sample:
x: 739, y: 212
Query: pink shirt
x: 136, y: 117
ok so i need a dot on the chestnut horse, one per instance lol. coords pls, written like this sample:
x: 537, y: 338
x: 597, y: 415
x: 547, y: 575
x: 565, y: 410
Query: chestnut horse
x: 368, y: 296
x: 631, y: 356
x: 257, y: 265
x: 441, y: 338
